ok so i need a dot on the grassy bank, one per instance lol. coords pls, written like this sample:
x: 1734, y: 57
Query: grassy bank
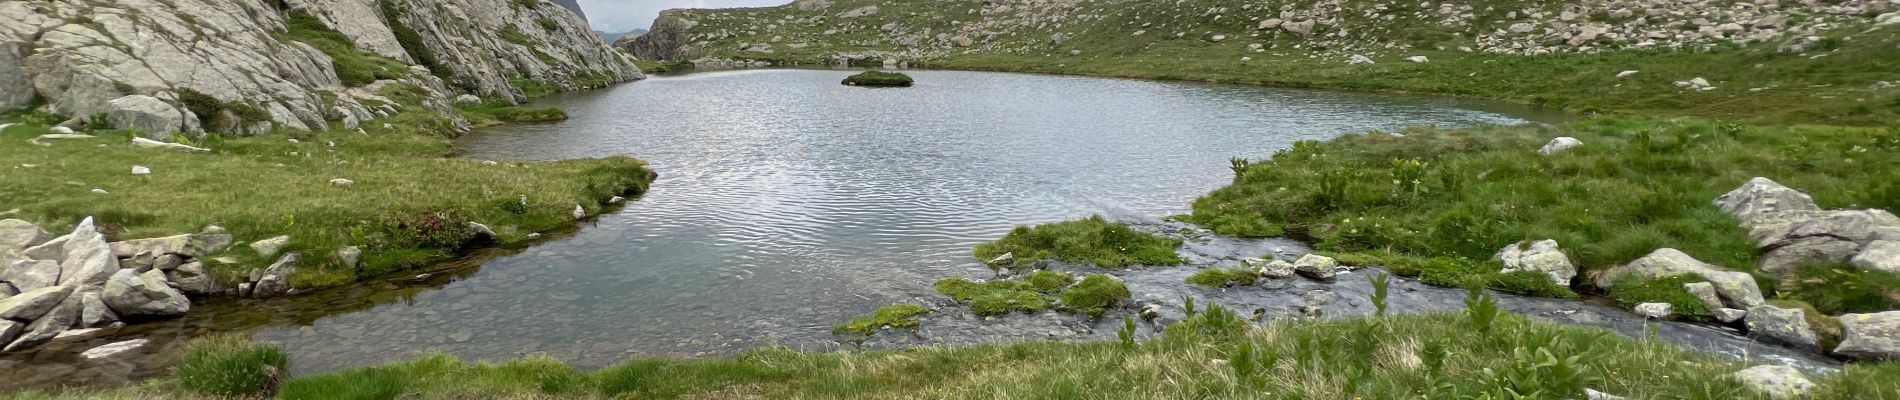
x: 409, y: 202
x: 1637, y: 184
x: 1478, y: 354
x: 1839, y: 82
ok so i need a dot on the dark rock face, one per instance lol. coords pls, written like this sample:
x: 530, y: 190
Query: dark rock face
x: 666, y: 41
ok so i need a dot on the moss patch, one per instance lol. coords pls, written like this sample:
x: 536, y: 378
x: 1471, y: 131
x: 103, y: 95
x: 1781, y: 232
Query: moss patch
x: 901, y: 316
x: 1091, y: 240
x: 879, y: 79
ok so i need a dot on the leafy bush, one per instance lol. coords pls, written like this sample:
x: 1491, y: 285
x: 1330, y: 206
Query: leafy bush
x: 1095, y: 294
x: 895, y: 315
x: 428, y: 229
x: 1531, y: 283
x: 1092, y: 240
x: 1222, y: 277
x: 880, y: 79
x: 232, y: 366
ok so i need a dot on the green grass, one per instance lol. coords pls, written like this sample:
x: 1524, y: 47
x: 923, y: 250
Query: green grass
x: 1631, y: 291
x: 1224, y: 277
x: 1090, y: 240
x: 1840, y: 289
x: 397, y: 221
x: 354, y: 68
x: 879, y: 79
x: 1211, y: 355
x: 902, y: 316
x: 231, y: 366
x: 1838, y: 88
x: 1458, y: 272
x: 1036, y: 292
x: 494, y: 111
x: 1636, y: 185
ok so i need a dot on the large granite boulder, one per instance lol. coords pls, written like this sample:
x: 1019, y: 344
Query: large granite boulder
x: 1738, y: 289
x: 1541, y: 256
x: 192, y: 279
x: 148, y: 114
x: 1879, y: 255
x: 1315, y: 266
x: 1792, y: 238
x: 29, y: 274
x: 16, y: 236
x: 1761, y: 196
x: 32, y: 304
x: 1874, y: 336
x: 130, y: 293
x: 44, y: 328
x: 1779, y: 382
x: 1786, y: 326
x: 88, y: 259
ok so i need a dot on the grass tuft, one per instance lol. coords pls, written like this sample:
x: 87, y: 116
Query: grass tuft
x: 902, y: 316
x: 1091, y: 240
x: 1224, y: 277
x: 879, y: 79
x: 231, y: 366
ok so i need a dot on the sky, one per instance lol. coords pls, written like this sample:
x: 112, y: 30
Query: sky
x: 626, y: 15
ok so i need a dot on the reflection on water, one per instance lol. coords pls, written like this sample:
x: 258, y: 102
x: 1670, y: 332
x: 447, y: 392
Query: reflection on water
x: 787, y: 203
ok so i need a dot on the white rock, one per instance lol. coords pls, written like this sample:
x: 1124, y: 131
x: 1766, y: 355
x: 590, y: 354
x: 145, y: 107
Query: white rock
x: 61, y: 130
x: 1418, y: 59
x: 1655, y: 310
x: 144, y: 143
x: 141, y: 170
x: 1359, y: 60
x: 113, y: 349
x: 1872, y: 336
x: 1729, y: 315
x: 1315, y: 266
x: 1626, y: 74
x: 1879, y: 255
x: 580, y: 212
x: 1540, y: 256
x: 268, y: 248
x: 1779, y: 382
x: 340, y: 182
x: 130, y: 293
x: 1559, y: 145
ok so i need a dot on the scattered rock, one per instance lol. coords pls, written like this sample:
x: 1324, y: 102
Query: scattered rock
x: 31, y: 304
x: 859, y: 12
x: 113, y: 349
x: 130, y: 293
x: 1418, y: 59
x: 26, y: 275
x: 482, y: 232
x: 88, y: 260
x: 1315, y: 266
x: 1790, y: 239
x: 191, y: 279
x: 340, y: 182
x: 468, y: 99
x: 144, y: 143
x: 1540, y: 256
x: 1655, y: 310
x: 141, y: 170
x: 1626, y: 74
x: 1779, y: 382
x: 1299, y: 28
x: 268, y: 248
x: 46, y: 327
x: 80, y: 335
x: 1359, y: 60
x: 276, y: 279
x: 1275, y: 269
x: 1874, y: 336
x: 1269, y: 24
x: 352, y: 257
x: 1787, y: 326
x: 1705, y: 292
x: 1879, y: 255
x: 1003, y: 261
x: 1559, y: 145
x: 580, y: 213
x: 1729, y: 315
x: 1593, y: 394
x: 1738, y: 289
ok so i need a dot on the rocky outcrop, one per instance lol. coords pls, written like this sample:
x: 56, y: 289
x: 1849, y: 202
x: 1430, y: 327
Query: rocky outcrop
x: 64, y: 288
x: 667, y: 40
x: 1792, y: 231
x: 1316, y: 267
x: 157, y: 65
x: 1737, y: 289
x: 1787, y: 326
x: 1542, y: 256
x: 1779, y: 382
x: 1874, y: 336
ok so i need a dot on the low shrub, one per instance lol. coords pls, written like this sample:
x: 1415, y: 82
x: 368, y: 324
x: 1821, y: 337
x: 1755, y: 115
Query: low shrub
x: 232, y: 366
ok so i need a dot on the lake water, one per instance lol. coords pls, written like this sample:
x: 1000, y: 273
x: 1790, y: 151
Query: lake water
x: 787, y: 203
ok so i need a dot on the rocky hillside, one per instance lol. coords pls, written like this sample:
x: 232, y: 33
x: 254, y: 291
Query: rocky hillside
x: 247, y: 66
x: 913, y: 30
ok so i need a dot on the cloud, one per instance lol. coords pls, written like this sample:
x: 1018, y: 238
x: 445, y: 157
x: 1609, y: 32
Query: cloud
x: 625, y: 15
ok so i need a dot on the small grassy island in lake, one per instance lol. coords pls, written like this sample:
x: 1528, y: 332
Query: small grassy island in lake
x: 879, y: 79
